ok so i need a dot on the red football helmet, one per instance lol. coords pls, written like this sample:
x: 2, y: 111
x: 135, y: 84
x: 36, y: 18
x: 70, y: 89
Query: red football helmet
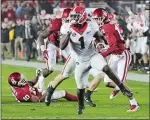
x: 65, y: 14
x: 16, y: 79
x: 78, y: 15
x: 100, y: 15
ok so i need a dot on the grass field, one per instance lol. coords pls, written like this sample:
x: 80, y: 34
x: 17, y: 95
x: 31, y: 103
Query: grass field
x: 105, y: 108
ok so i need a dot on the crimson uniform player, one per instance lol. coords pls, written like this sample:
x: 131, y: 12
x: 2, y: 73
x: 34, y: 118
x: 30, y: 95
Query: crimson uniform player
x: 48, y: 48
x: 120, y: 56
x: 32, y: 91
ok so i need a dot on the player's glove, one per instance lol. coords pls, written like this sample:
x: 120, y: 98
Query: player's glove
x: 44, y: 52
x: 38, y: 72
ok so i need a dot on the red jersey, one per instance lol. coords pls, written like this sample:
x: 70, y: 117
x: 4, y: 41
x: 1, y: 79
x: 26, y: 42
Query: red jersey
x: 55, y: 28
x: 114, y: 39
x: 23, y: 94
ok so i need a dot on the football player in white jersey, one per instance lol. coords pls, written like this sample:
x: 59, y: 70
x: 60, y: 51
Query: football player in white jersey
x: 70, y: 64
x: 80, y: 38
x: 142, y: 35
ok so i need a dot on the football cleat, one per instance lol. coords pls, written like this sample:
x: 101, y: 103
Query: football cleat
x: 80, y: 110
x: 114, y: 94
x: 89, y: 101
x: 46, y: 72
x: 49, y: 93
x: 133, y: 108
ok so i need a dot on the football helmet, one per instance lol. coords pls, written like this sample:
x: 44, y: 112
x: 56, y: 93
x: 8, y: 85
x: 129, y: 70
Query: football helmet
x: 100, y: 15
x: 78, y: 15
x: 65, y: 14
x: 17, y: 79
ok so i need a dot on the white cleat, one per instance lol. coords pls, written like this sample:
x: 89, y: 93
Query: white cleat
x: 114, y: 94
x: 133, y: 108
x: 38, y: 72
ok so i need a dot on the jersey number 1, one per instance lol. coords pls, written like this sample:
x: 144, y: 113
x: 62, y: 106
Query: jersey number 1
x: 82, y: 42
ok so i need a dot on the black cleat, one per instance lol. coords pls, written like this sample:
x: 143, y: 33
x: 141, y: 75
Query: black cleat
x: 49, y: 93
x: 89, y: 101
x: 80, y: 110
x: 46, y: 72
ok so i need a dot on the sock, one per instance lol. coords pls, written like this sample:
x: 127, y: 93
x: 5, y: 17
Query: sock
x: 117, y: 88
x: 58, y: 94
x: 70, y: 97
x: 133, y: 102
x: 80, y: 94
x: 88, y: 93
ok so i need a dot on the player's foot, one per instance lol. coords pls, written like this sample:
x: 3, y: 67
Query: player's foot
x: 89, y: 101
x: 46, y: 72
x: 133, y: 108
x: 80, y: 110
x: 49, y: 93
x: 114, y: 94
x: 127, y: 93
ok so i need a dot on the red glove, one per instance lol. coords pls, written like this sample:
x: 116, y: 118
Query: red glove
x: 45, y: 54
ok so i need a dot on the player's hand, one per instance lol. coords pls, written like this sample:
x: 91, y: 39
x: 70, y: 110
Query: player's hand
x: 45, y: 54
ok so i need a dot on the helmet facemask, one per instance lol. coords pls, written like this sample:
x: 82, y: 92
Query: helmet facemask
x: 99, y: 20
x: 77, y: 18
x: 22, y: 81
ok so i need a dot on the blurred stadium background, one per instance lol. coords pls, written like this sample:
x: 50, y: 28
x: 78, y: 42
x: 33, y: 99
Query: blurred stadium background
x: 37, y: 14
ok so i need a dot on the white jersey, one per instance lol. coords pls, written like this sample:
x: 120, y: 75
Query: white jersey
x: 83, y: 49
x: 64, y: 28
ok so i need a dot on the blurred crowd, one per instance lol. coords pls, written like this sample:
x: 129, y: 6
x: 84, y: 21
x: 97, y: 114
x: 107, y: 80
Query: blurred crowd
x: 22, y: 21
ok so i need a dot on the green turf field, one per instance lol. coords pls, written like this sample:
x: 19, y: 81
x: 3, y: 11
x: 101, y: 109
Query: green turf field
x: 105, y: 108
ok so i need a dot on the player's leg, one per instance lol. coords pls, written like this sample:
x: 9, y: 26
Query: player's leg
x: 113, y: 65
x: 98, y: 77
x: 66, y: 73
x: 122, y: 73
x: 81, y: 76
x: 144, y: 50
x: 106, y: 69
x: 63, y: 94
x: 51, y: 62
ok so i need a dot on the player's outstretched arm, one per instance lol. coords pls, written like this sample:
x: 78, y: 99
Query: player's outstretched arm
x: 128, y: 9
x: 64, y: 40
